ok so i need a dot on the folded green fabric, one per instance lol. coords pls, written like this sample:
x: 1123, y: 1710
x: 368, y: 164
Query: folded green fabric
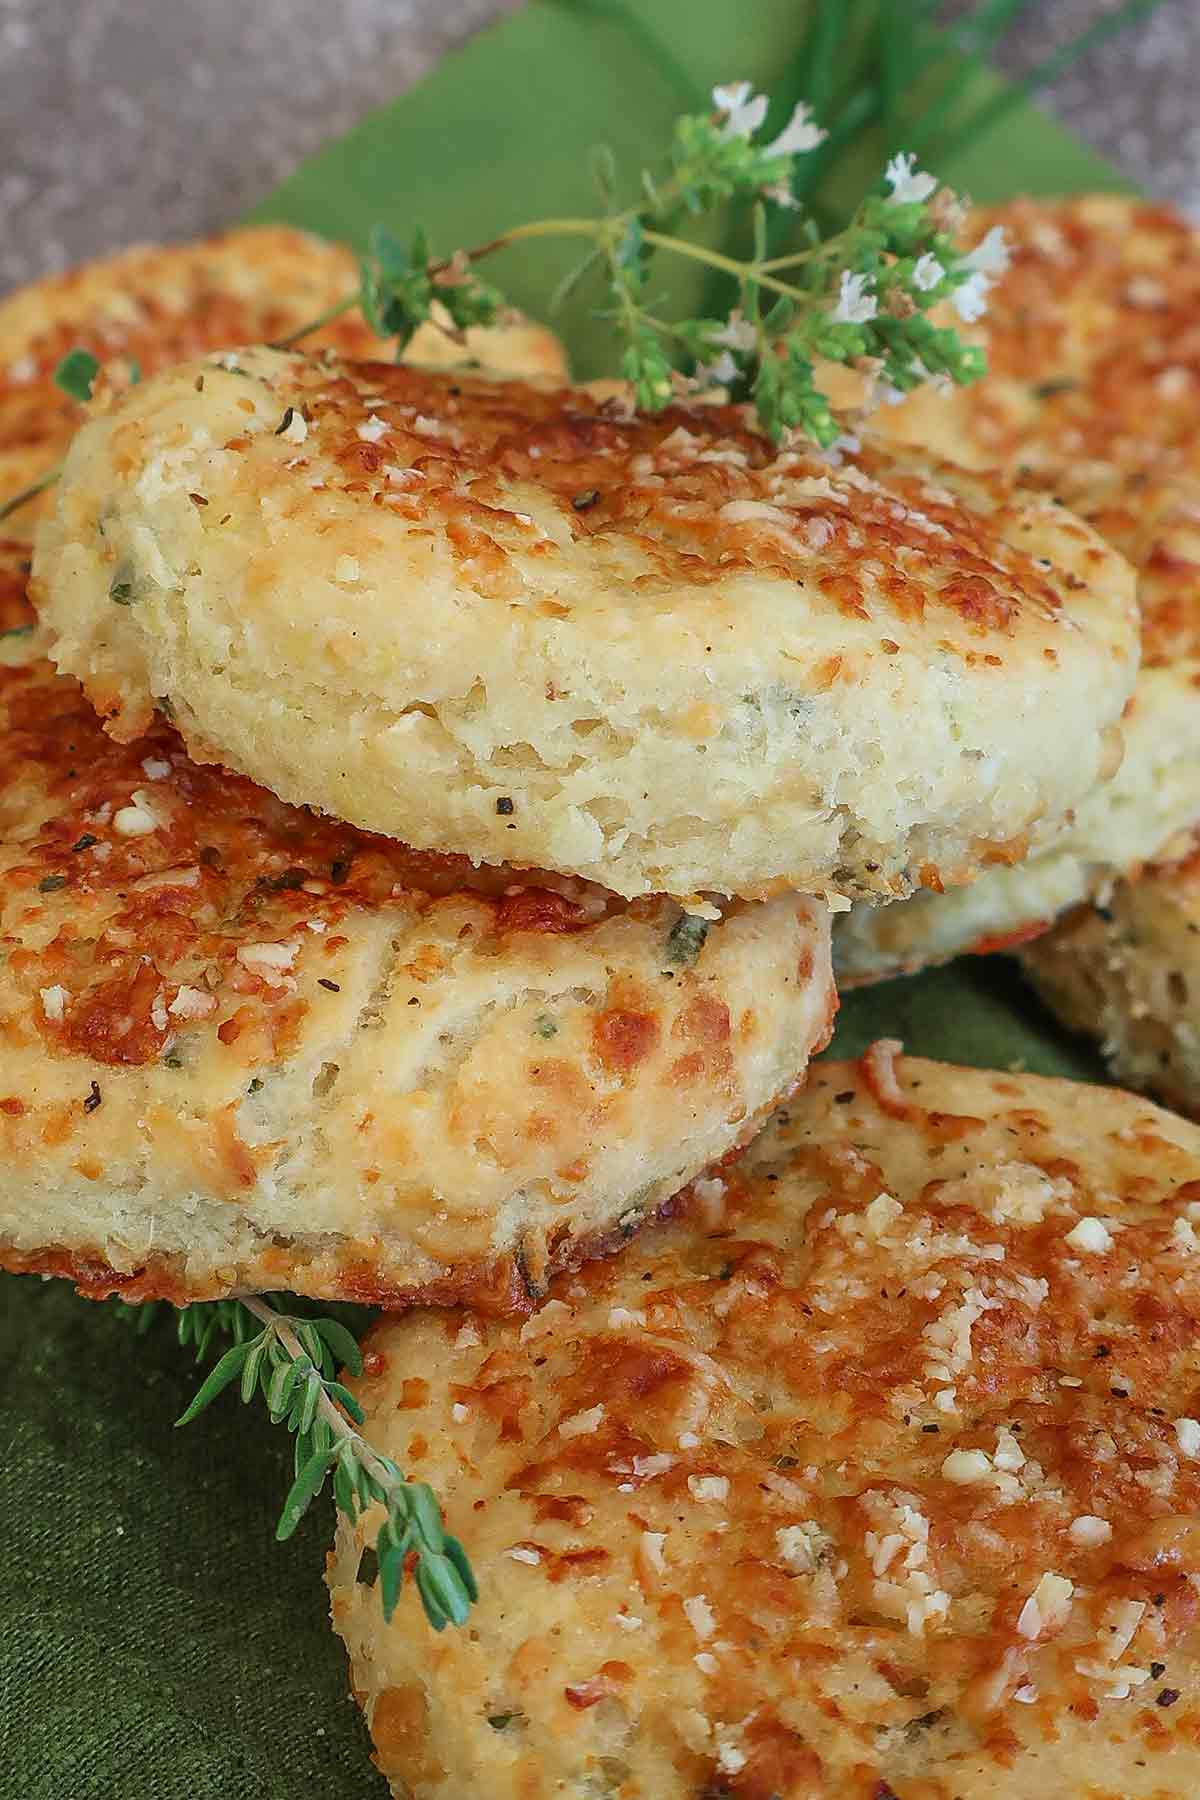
x: 157, y: 1644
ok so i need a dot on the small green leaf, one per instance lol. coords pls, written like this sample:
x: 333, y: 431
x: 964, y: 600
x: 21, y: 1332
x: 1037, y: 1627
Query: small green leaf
x: 343, y: 1489
x: 426, y: 1515
x: 253, y: 1367
x: 76, y: 374
x: 303, y: 1492
x: 685, y: 940
x: 219, y: 1378
x: 466, y: 1574
x: 442, y: 1593
x: 343, y: 1344
x: 311, y: 1401
x: 391, y: 1577
x: 345, y: 1398
x: 120, y: 588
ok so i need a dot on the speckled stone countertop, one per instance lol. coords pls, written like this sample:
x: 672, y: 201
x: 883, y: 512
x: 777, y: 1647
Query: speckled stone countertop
x: 134, y: 119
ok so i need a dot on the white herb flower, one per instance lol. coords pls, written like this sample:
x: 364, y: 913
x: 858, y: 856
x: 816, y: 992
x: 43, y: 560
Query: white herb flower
x: 780, y: 194
x: 799, y: 134
x: 736, y: 334
x: 719, y: 373
x: 988, y: 259
x: 927, y: 273
x: 744, y: 110
x: 990, y: 256
x: 971, y: 298
x: 908, y: 184
x: 855, y: 305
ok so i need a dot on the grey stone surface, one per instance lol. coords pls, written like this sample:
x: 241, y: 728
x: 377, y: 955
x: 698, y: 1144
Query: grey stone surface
x: 130, y: 119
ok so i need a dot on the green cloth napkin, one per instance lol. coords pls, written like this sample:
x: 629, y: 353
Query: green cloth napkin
x: 156, y: 1643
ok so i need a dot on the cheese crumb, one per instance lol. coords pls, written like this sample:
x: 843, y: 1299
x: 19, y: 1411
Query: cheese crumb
x: 582, y: 1423
x: 372, y: 429
x: 520, y: 1554
x: 700, y: 1616
x: 1008, y: 1454
x: 802, y: 1547
x: 54, y: 1000
x: 882, y: 1212
x: 709, y: 1487
x: 134, y: 821
x: 192, y: 1003
x: 965, y: 1466
x: 271, y: 961
x: 647, y: 1467
x: 1184, y: 1234
x: 1047, y: 1607
x: 155, y: 768
x: 1087, y: 1529
x: 621, y: 1315
x: 296, y: 429
x: 652, y: 1550
x: 1090, y: 1234
x: 627, y: 1621
x: 1187, y: 1436
x: 544, y: 1320
x: 346, y: 569
x: 460, y: 1413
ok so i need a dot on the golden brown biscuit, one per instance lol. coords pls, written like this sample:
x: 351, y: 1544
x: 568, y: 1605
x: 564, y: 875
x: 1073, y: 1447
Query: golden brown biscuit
x: 875, y: 1475
x: 157, y: 304
x: 693, y: 662
x: 244, y: 1047
x: 1094, y: 343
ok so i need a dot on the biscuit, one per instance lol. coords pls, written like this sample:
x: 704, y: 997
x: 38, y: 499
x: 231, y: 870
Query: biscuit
x: 1127, y: 971
x: 693, y: 663
x: 247, y: 1048
x: 873, y: 1474
x: 1094, y: 342
x: 156, y: 304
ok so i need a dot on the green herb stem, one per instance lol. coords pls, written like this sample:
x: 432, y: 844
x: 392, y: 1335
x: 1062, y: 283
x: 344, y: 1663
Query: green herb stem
x: 18, y: 500
x: 326, y: 318
x: 335, y: 1416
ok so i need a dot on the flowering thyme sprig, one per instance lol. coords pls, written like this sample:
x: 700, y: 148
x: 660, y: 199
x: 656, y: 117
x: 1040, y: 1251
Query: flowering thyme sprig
x: 861, y: 297
x: 293, y: 1362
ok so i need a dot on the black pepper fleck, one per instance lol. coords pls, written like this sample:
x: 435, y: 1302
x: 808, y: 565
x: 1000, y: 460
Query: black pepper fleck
x: 504, y: 804
x: 1168, y: 1696
x: 50, y: 884
x: 93, y: 1099
x: 85, y: 842
x: 323, y: 981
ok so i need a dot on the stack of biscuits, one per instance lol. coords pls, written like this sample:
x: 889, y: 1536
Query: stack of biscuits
x: 432, y: 798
